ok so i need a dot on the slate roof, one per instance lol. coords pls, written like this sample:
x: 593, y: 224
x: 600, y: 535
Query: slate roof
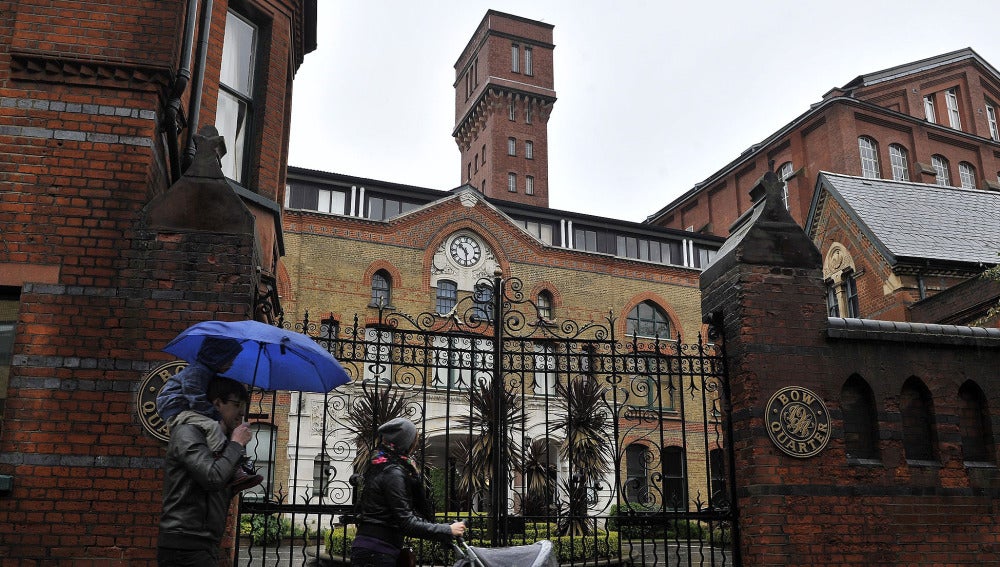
x: 917, y: 220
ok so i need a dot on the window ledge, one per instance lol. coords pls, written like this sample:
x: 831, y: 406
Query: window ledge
x: 386, y: 307
x: 864, y: 462
x: 980, y: 465
x: 923, y: 463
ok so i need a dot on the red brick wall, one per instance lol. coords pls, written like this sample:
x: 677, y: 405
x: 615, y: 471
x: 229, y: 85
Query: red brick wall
x: 830, y: 509
x: 81, y: 87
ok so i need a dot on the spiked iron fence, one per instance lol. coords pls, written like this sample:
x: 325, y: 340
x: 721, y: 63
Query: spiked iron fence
x: 615, y: 449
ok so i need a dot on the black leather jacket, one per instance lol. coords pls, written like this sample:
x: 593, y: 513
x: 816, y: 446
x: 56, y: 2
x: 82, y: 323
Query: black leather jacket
x: 195, y: 493
x: 386, y: 510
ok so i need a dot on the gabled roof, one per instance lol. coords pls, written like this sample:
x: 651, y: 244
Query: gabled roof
x: 916, y: 221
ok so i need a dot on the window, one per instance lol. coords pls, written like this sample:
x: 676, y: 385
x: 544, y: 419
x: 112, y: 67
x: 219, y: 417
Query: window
x: 261, y: 449
x: 918, y: 427
x: 381, y: 289
x: 515, y: 57
x: 991, y: 117
x: 510, y: 111
x: 941, y: 177
x: 544, y: 303
x: 468, y: 172
x: 511, y: 146
x: 529, y: 150
x: 974, y: 423
x: 900, y: 168
x: 322, y: 470
x: 383, y: 208
x: 784, y: 173
x: 483, y: 153
x: 674, y: 479
x: 869, y: 157
x: 648, y: 320
x: 951, y: 99
x: 851, y: 296
x: 652, y: 250
x: 527, y: 112
x: 529, y: 185
x: 447, y: 296
x: 929, y: 109
x: 636, y: 488
x: 316, y: 199
x: 539, y: 230
x: 584, y: 239
x: 717, y: 472
x: 483, y: 299
x: 832, y: 305
x: 512, y: 182
x: 236, y: 89
x: 9, y: 306
x: 860, y: 419
x: 545, y: 366
x: 527, y: 61
x: 967, y: 175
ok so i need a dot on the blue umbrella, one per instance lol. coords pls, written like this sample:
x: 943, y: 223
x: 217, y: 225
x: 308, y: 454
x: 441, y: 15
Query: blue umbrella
x: 272, y: 358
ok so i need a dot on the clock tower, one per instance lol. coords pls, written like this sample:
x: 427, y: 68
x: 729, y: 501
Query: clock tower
x: 504, y: 92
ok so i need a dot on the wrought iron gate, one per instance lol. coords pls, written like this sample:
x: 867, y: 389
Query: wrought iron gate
x: 614, y: 449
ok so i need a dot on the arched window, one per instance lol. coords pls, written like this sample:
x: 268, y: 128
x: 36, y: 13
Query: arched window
x: 918, y: 425
x: 381, y: 289
x: 544, y: 303
x: 447, y: 296
x: 900, y: 165
x: 636, y: 487
x: 784, y: 173
x: 869, y: 157
x: 261, y: 449
x: 648, y: 320
x: 967, y: 175
x: 322, y: 467
x: 857, y: 404
x: 483, y: 298
x: 674, y: 478
x: 941, y: 174
x: 974, y: 423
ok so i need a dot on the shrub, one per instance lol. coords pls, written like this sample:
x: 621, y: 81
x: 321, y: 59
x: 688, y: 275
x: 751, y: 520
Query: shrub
x: 599, y: 545
x: 264, y: 528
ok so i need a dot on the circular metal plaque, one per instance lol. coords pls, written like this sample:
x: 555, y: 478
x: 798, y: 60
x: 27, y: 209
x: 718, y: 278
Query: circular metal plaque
x: 798, y: 421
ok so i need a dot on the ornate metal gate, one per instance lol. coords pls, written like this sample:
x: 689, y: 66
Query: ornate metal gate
x: 614, y: 449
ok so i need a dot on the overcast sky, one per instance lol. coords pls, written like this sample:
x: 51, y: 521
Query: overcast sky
x: 653, y: 96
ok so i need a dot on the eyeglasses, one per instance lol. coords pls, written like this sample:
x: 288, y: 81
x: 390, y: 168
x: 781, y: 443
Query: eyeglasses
x: 237, y: 403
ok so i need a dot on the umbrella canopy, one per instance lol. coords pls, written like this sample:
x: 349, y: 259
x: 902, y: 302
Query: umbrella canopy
x: 272, y: 358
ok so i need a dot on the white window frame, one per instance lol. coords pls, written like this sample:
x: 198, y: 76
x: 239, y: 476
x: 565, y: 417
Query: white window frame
x: 512, y: 182
x: 515, y: 58
x: 951, y: 99
x: 898, y: 161
x: 868, y: 149
x: 942, y: 175
x: 510, y: 111
x: 527, y: 61
x: 785, y: 173
x: 967, y: 175
x: 529, y: 149
x: 235, y: 106
x: 512, y: 146
x: 929, y: 113
x: 991, y: 118
x: 529, y: 185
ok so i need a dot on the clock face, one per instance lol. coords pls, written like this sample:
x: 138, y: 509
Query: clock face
x: 465, y: 251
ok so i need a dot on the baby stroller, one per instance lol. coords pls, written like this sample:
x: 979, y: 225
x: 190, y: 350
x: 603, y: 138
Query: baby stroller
x: 538, y: 554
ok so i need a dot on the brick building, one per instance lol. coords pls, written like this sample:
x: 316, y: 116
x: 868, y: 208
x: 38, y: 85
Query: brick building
x: 932, y: 121
x: 895, y: 461
x: 118, y: 229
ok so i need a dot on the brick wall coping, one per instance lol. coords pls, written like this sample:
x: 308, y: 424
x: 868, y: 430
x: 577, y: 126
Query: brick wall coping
x: 897, y: 331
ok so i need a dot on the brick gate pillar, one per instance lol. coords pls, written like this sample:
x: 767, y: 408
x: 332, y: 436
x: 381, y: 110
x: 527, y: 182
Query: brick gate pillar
x: 765, y: 291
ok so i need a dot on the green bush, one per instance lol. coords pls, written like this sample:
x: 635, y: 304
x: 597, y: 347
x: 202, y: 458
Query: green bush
x: 599, y: 545
x: 264, y: 529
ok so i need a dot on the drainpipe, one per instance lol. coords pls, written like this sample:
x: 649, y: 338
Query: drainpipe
x: 177, y: 88
x: 199, y: 80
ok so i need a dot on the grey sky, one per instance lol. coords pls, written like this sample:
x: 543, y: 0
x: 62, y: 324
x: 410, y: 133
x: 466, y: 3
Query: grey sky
x: 653, y: 96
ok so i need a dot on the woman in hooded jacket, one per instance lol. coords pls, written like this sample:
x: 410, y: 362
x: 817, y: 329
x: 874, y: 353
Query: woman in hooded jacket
x: 394, y: 502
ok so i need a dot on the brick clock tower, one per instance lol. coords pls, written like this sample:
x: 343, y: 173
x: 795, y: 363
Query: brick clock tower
x: 504, y: 92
